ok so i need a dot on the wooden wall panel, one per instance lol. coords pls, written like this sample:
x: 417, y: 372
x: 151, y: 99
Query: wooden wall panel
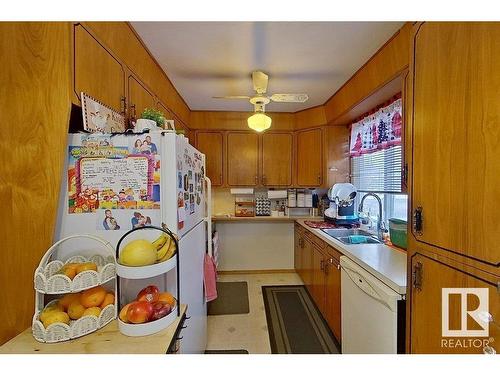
x: 122, y: 40
x: 226, y: 120
x: 312, y: 117
x: 35, y: 99
x: 390, y: 61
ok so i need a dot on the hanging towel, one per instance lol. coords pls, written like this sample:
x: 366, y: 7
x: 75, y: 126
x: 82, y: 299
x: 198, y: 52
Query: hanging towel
x: 210, y: 278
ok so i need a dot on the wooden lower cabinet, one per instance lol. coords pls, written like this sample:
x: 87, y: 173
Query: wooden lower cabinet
x: 318, y: 278
x: 319, y: 267
x: 306, y: 260
x: 426, y: 308
x: 332, y: 292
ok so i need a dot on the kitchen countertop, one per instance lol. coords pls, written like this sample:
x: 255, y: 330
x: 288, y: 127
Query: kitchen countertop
x: 107, y: 340
x: 258, y: 219
x: 384, y: 262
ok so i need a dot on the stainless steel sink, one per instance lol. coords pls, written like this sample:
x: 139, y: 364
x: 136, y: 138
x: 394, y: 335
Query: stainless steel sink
x: 344, y: 236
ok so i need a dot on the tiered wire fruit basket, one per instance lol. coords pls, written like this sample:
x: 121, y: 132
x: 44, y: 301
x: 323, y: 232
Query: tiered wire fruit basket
x: 50, y: 283
x: 131, y: 279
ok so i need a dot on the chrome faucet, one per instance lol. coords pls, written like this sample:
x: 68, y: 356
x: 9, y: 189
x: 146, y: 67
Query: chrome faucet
x: 380, y: 225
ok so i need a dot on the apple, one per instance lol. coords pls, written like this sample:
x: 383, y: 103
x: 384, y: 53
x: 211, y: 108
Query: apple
x: 149, y: 294
x: 160, y: 309
x: 139, y: 312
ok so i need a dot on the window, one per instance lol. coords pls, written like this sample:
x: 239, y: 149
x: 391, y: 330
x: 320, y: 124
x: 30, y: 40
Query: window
x: 376, y: 162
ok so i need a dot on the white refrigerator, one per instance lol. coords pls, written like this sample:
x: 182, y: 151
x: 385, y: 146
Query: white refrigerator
x: 113, y: 183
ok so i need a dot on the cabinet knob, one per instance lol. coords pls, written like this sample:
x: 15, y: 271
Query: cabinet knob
x: 319, y: 178
x: 256, y: 180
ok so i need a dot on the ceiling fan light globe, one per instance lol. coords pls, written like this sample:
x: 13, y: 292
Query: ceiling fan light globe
x: 259, y: 122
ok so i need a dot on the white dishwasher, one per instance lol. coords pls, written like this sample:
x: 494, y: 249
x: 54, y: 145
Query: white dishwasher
x: 372, y: 313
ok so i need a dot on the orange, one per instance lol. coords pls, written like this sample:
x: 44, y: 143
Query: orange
x: 76, y: 310
x: 68, y: 299
x: 109, y: 299
x: 89, y: 266
x: 123, y: 313
x: 167, y: 297
x: 93, y: 297
x: 95, y: 311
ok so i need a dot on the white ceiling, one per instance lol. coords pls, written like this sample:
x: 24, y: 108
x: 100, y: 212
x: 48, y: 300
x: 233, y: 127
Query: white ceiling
x: 205, y: 59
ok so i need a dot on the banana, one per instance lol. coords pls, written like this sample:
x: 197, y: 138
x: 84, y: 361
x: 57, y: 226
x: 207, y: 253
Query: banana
x: 160, y: 241
x: 164, y: 249
x: 169, y: 253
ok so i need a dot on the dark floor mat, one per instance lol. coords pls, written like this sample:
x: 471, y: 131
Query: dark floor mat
x: 240, y: 351
x: 294, y: 322
x: 232, y: 298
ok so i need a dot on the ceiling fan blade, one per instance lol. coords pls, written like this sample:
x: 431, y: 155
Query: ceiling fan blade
x: 289, y: 98
x: 259, y: 82
x: 231, y: 97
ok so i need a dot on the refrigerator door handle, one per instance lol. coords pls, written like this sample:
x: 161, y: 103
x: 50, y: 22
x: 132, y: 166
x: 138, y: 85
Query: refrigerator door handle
x: 208, y: 217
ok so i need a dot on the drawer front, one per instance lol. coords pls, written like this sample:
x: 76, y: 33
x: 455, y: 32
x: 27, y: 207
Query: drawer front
x: 315, y: 240
x: 333, y: 252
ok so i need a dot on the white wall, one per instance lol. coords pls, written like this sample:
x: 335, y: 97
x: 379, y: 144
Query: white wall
x: 255, y: 246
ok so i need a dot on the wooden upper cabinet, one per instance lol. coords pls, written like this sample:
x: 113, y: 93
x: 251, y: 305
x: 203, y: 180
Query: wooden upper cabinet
x: 336, y: 141
x: 455, y: 118
x: 211, y: 144
x: 139, y: 97
x: 426, y: 308
x: 277, y: 159
x: 242, y: 159
x: 309, y: 158
x: 96, y: 71
x: 164, y: 109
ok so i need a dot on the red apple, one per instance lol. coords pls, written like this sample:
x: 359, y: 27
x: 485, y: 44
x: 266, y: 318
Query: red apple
x: 149, y: 294
x: 160, y: 309
x: 139, y: 312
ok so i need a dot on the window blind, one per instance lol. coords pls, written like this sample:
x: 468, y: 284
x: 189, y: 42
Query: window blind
x: 379, y: 171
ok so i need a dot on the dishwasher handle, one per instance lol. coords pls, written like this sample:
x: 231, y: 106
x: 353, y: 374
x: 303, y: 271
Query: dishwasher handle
x: 365, y: 286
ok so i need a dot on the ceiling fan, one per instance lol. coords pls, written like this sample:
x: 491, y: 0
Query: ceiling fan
x: 259, y: 121
x: 260, y: 100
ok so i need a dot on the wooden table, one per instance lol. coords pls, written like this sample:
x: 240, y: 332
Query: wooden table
x: 107, y: 340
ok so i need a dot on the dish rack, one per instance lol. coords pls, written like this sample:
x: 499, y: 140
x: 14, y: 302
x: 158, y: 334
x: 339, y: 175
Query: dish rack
x: 125, y: 274
x: 48, y: 282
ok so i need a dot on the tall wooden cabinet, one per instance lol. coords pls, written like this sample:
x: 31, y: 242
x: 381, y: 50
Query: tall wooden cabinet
x: 211, y: 144
x: 456, y: 153
x: 309, y: 158
x: 453, y: 115
x: 96, y: 71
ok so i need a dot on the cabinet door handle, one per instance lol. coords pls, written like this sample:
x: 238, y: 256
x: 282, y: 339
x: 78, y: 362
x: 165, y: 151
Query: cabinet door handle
x: 133, y: 113
x: 263, y: 179
x: 322, y: 265
x: 256, y: 180
x: 418, y: 221
x: 220, y: 178
x: 319, y: 178
x: 123, y: 105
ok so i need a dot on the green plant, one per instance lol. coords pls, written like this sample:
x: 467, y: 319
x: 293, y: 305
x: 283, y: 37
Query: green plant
x: 155, y: 115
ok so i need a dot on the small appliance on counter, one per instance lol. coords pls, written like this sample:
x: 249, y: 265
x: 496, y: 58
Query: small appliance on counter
x: 244, y: 206
x: 342, y: 208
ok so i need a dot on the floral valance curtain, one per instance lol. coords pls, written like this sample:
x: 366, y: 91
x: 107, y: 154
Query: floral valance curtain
x: 377, y: 131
